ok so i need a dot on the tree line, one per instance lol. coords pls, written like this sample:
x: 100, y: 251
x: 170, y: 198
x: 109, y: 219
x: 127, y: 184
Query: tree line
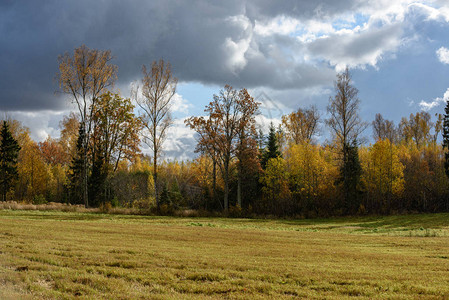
x: 97, y: 160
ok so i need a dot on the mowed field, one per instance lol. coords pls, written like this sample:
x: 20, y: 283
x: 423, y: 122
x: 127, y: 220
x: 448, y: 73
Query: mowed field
x: 93, y: 256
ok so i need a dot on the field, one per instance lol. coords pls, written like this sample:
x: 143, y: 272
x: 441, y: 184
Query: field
x: 69, y: 255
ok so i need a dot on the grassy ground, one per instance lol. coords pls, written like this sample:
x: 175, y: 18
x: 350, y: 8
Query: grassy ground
x: 68, y: 255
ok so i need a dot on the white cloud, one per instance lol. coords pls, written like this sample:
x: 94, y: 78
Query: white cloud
x: 280, y: 25
x: 41, y: 123
x: 443, y: 55
x: 237, y: 48
x: 179, y: 104
x: 432, y: 13
x: 264, y: 122
x: 426, y: 106
x: 305, y: 31
x: 180, y: 143
x: 356, y: 39
x: 374, y: 30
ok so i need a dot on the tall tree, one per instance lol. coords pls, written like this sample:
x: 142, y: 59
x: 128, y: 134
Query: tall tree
x: 346, y: 125
x: 247, y: 151
x: 158, y: 89
x: 225, y: 109
x: 301, y: 125
x: 344, y: 120
x: 227, y: 130
x: 115, y: 136
x: 85, y: 76
x: 9, y: 153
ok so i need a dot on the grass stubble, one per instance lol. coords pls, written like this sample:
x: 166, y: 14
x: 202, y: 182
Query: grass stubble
x: 66, y: 255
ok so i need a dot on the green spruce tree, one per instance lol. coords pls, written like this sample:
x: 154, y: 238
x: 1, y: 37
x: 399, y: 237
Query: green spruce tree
x: 350, y: 173
x: 175, y: 193
x: 9, y: 154
x: 446, y: 143
x: 272, y: 148
x: 76, y: 175
x: 446, y: 138
x: 165, y: 197
x: 97, y: 179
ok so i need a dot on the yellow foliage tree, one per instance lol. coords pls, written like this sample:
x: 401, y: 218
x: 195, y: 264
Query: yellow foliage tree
x: 383, y: 173
x: 275, y: 184
x: 35, y: 176
x: 201, y: 169
x: 312, y: 174
x: 301, y: 125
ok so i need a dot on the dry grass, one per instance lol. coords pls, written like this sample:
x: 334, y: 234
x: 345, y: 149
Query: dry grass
x: 53, y: 254
x: 79, y: 208
x: 13, y: 205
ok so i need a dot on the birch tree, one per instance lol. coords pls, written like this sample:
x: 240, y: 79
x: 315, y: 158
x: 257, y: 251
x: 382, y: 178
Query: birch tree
x: 346, y: 125
x: 158, y: 89
x: 343, y: 109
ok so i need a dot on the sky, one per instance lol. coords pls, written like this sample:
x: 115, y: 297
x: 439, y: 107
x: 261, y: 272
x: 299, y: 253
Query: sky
x: 286, y: 53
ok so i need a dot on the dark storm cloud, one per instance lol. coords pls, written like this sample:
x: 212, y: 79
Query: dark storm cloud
x: 302, y: 9
x: 190, y: 34
x: 287, y: 50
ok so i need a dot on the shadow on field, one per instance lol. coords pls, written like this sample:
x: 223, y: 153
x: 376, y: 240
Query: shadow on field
x: 438, y: 220
x: 435, y: 221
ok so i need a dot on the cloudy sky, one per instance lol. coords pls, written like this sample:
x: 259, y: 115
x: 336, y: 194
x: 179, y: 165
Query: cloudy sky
x: 286, y: 53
